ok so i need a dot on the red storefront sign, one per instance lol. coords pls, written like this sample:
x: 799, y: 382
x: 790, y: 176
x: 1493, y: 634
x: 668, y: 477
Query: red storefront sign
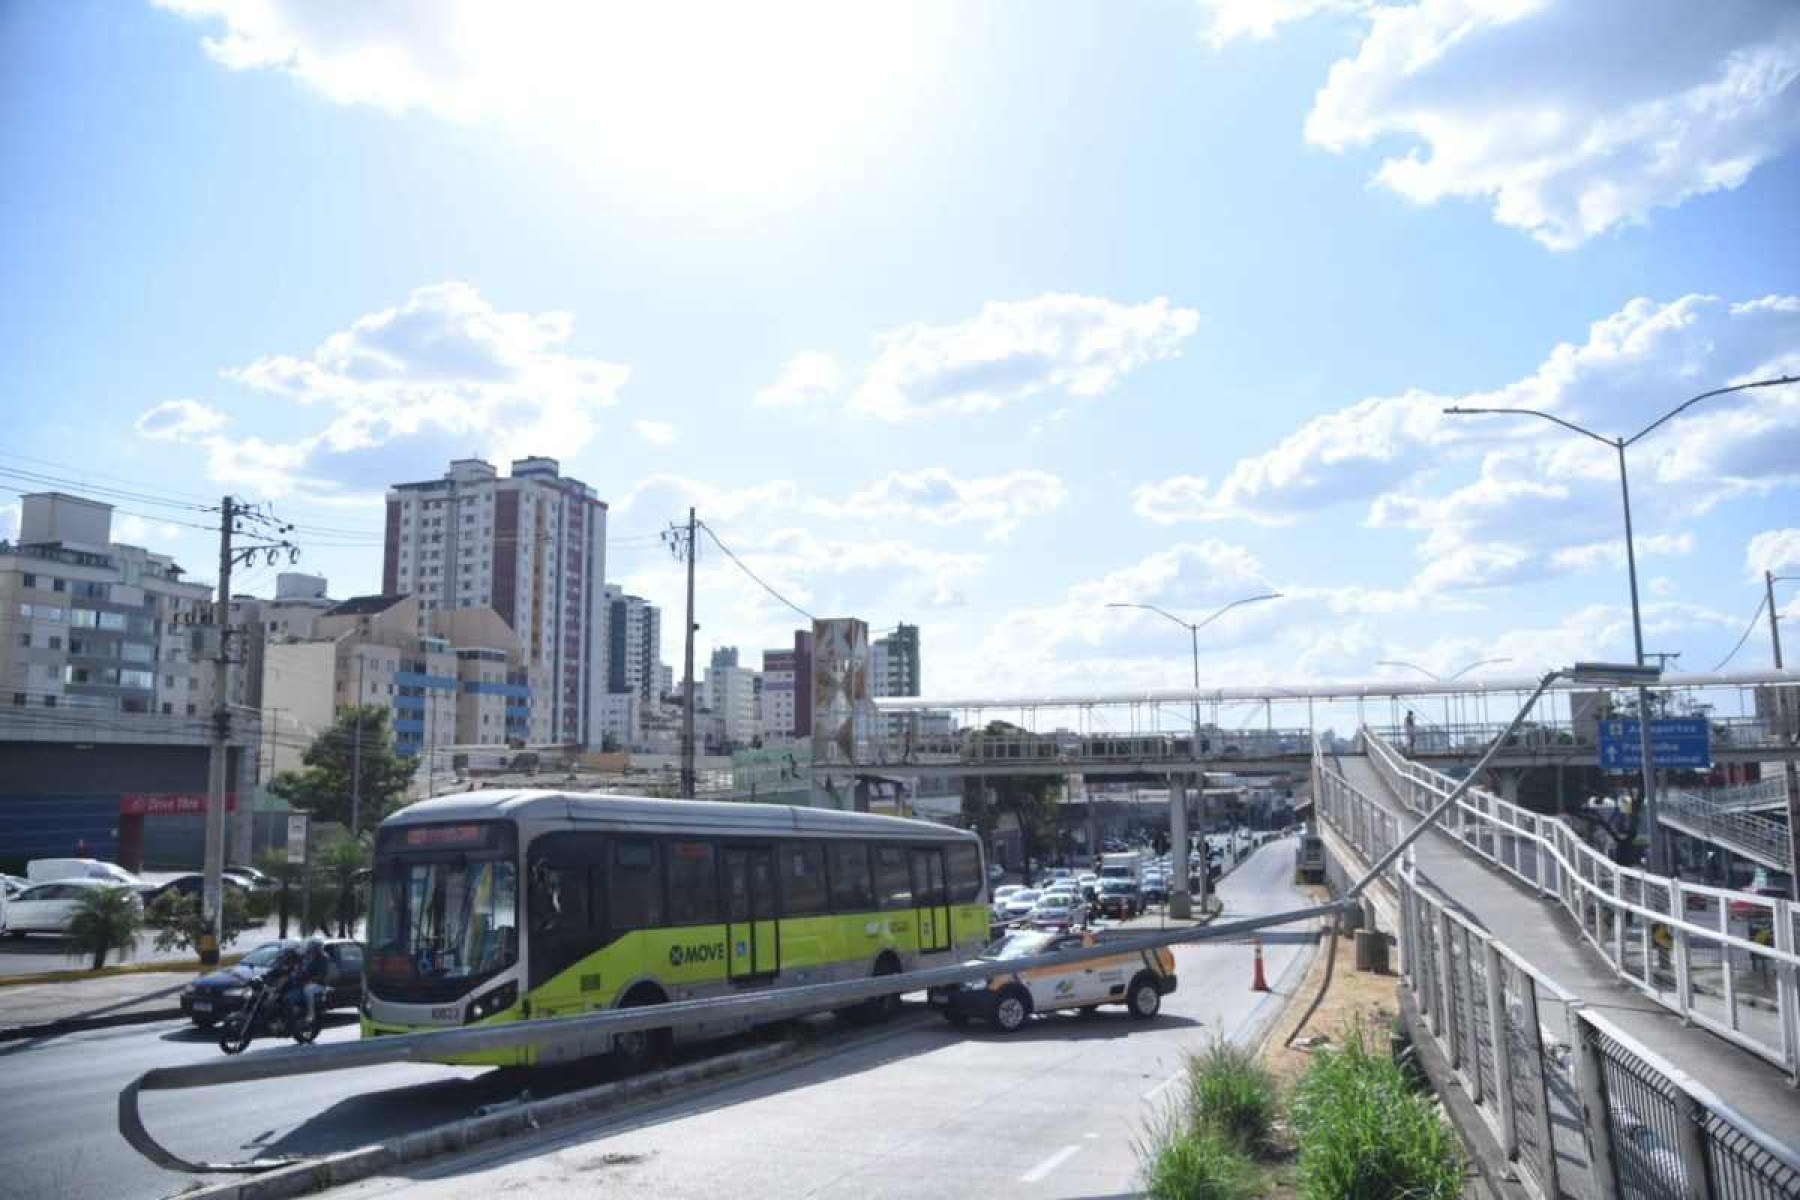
x: 158, y: 804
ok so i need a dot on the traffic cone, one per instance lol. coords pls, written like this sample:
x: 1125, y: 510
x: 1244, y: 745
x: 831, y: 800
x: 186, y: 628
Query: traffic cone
x: 1258, y: 983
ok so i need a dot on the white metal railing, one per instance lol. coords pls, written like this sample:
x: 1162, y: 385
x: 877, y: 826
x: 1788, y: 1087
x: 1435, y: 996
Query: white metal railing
x: 1723, y: 959
x: 1579, y: 1107
x: 1764, y: 793
x: 1568, y: 738
x: 1753, y: 837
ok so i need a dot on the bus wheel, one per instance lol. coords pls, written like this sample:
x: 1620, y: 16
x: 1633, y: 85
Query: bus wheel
x: 644, y: 1048
x: 870, y: 1012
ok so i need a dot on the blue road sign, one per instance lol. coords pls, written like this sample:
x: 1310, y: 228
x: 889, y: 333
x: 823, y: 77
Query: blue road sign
x: 1674, y: 742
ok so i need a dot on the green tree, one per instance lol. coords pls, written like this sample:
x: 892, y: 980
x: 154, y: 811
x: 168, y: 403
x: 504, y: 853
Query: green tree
x: 323, y: 786
x: 106, y: 919
x: 181, y: 926
x: 1030, y: 799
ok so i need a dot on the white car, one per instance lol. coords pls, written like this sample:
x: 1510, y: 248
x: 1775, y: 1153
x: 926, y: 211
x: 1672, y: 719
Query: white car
x: 1002, y: 894
x: 49, y: 907
x: 1057, y: 909
x: 1019, y: 905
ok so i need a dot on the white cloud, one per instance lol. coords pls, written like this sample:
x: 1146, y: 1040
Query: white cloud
x: 1079, y: 346
x: 657, y: 433
x: 1571, y: 117
x: 445, y: 372
x: 9, y: 521
x: 721, y: 95
x: 1772, y: 550
x: 1542, y: 501
x: 809, y: 377
x: 140, y: 531
x: 938, y: 497
x: 1228, y: 20
x: 668, y: 496
x: 180, y: 420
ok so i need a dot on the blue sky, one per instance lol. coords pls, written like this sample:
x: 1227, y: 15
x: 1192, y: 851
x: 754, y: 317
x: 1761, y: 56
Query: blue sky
x: 976, y: 316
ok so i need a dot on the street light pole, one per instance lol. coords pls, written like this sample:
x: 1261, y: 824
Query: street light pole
x: 1619, y: 446
x: 1789, y: 773
x: 1180, y: 901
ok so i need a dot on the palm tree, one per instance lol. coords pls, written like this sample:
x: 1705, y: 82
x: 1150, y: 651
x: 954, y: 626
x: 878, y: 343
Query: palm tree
x: 106, y: 918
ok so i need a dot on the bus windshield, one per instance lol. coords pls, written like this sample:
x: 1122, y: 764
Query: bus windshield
x: 442, y: 920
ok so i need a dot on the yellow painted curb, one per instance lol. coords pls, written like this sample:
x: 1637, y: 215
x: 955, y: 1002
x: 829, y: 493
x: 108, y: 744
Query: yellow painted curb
x: 75, y: 975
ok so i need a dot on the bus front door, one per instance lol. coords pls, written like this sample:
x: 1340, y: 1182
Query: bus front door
x: 751, y: 941
x: 931, y: 899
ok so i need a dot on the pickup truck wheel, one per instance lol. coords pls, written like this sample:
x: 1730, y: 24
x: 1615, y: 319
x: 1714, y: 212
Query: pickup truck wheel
x: 1143, y: 997
x: 1012, y: 1009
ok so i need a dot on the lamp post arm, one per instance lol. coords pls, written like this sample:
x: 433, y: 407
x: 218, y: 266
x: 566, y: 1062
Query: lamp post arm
x: 1683, y: 407
x: 1234, y: 604
x: 1530, y: 412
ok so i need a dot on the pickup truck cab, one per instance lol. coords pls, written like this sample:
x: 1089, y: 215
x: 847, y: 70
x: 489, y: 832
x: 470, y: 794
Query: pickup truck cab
x: 1137, y: 979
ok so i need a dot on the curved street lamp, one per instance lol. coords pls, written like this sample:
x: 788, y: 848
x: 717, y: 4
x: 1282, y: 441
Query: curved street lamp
x: 1620, y: 445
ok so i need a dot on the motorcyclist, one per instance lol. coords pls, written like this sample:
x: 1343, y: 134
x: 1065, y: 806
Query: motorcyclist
x: 306, y: 981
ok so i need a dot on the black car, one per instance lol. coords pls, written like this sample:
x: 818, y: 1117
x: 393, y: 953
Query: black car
x: 193, y: 885
x: 1119, y: 898
x: 211, y: 997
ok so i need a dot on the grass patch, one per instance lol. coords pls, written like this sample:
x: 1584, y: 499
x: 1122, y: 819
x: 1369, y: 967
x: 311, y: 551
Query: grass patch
x: 1230, y: 1092
x: 1366, y: 1134
x: 1185, y: 1163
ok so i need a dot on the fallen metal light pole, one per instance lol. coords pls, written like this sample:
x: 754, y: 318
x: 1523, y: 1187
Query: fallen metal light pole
x: 763, y: 1006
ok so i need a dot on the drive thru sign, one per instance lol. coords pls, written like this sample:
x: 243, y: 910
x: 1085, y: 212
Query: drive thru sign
x: 1674, y: 742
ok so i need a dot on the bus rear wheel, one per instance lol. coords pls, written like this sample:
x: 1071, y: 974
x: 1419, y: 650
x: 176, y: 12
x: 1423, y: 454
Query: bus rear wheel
x: 881, y: 1008
x: 642, y: 1049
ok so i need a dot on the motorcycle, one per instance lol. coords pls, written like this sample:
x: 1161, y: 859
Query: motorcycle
x: 264, y: 1011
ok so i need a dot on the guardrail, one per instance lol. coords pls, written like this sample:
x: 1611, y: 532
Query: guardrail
x: 1753, y: 837
x: 1578, y: 1106
x: 586, y: 1035
x: 1764, y: 793
x: 1564, y: 738
x: 1723, y: 959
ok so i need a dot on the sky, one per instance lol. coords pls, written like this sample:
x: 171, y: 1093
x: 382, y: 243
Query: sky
x: 974, y: 316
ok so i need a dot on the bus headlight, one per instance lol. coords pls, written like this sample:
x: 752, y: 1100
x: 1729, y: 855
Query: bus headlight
x: 498, y: 1000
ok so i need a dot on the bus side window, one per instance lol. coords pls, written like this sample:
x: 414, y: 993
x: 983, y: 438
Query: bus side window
x: 561, y: 892
x: 634, y: 889
x: 965, y: 873
x: 693, y: 882
x: 893, y: 878
x: 851, y: 891
x: 802, y: 879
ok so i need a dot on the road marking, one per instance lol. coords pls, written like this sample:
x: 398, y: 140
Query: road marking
x: 1037, y: 1173
x: 1156, y: 1091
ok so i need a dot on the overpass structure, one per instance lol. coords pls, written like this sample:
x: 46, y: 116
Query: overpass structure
x: 1754, y: 717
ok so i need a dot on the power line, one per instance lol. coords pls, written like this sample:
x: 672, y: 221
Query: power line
x: 752, y: 574
x: 1760, y: 604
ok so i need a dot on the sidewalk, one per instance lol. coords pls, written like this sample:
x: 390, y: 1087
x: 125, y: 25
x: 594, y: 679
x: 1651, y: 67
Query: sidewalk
x: 33, y: 1010
x: 1544, y: 933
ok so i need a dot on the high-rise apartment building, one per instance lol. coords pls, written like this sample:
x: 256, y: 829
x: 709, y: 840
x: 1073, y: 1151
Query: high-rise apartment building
x: 532, y: 547
x: 894, y: 662
x: 634, y: 644
x: 787, y: 689
x: 734, y: 695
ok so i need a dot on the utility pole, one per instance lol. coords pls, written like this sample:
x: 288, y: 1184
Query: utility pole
x: 212, y: 890
x: 1791, y: 773
x: 683, y: 541
x: 356, y: 754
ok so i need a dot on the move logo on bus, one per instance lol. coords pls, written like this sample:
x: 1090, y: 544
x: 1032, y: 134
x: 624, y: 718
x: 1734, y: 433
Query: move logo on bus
x: 703, y: 952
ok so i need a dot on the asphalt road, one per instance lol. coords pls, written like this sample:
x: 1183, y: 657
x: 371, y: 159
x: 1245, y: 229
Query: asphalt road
x: 1016, y: 1097
x: 915, y: 1110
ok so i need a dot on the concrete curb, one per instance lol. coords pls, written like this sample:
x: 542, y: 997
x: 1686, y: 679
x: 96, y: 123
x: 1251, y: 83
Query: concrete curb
x: 46, y: 1029
x: 334, y: 1170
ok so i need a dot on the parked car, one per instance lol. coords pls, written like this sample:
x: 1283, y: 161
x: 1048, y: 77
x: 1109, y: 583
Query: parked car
x: 253, y: 878
x: 212, y: 997
x: 51, y: 870
x: 49, y: 907
x: 12, y: 885
x: 1119, y: 898
x: 192, y: 884
x: 1137, y: 980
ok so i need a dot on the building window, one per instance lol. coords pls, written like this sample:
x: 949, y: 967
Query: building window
x: 190, y: 710
x: 168, y: 709
x: 19, y: 699
x: 49, y: 701
x: 55, y: 642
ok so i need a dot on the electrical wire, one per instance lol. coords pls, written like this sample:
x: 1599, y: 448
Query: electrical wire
x: 752, y: 574
x: 1760, y: 605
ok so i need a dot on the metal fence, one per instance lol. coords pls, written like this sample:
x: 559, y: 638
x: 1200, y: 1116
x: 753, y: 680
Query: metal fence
x: 1577, y: 1106
x: 1723, y: 959
x: 1754, y: 837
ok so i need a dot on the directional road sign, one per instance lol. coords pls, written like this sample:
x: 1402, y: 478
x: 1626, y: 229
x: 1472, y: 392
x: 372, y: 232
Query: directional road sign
x: 1674, y: 742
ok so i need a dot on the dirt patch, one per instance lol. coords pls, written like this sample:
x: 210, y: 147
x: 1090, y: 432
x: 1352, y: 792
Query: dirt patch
x: 1355, y: 996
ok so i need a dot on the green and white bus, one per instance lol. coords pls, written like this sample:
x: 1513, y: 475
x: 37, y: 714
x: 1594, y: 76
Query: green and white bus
x: 508, y: 905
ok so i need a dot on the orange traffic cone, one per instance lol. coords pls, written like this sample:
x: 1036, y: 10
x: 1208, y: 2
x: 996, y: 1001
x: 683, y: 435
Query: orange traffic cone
x: 1260, y: 982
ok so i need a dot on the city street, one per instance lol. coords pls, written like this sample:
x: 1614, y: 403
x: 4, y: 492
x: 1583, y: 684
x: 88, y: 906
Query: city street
x: 922, y: 1110
x: 1032, y: 1095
